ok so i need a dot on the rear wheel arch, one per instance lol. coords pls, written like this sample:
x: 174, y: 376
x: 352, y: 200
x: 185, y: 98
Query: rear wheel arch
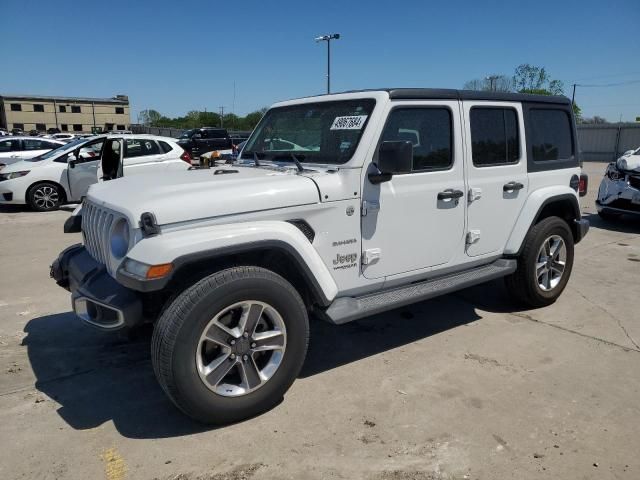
x: 564, y: 206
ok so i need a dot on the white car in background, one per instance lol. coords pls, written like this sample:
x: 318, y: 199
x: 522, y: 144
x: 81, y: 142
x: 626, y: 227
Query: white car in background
x: 13, y: 149
x: 63, y: 137
x: 64, y: 175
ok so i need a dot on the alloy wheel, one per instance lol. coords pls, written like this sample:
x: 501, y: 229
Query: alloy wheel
x: 46, y: 197
x: 241, y: 348
x: 551, y: 262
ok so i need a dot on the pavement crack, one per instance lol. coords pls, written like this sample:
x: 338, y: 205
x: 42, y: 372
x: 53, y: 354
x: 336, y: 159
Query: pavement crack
x: 611, y: 315
x: 565, y: 329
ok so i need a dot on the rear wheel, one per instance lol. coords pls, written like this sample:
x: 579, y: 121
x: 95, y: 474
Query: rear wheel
x: 231, y: 345
x: 544, y: 265
x: 45, y: 196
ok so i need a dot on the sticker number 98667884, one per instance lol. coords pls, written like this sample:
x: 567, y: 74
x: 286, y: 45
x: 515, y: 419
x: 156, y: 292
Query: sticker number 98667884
x: 354, y: 122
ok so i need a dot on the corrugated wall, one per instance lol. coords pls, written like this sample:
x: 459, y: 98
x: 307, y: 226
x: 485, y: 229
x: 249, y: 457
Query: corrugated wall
x: 606, y: 142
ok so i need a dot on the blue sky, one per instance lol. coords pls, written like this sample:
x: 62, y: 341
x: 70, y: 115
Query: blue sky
x: 179, y: 56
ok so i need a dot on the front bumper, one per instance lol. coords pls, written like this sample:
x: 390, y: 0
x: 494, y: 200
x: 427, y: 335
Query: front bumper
x: 97, y: 298
x: 619, y: 196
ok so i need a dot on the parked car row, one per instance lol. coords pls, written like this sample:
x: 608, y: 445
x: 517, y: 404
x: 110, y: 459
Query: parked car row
x: 64, y: 174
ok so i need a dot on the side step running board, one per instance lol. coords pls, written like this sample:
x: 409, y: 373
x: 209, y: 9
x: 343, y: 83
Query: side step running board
x: 346, y: 309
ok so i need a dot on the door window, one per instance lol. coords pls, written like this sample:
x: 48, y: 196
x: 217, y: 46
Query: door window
x: 90, y: 152
x: 39, y: 145
x: 429, y: 131
x: 550, y: 134
x: 9, y: 146
x: 138, y: 147
x: 494, y: 136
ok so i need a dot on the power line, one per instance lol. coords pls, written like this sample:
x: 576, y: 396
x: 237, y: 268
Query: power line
x: 606, y: 76
x: 617, y: 84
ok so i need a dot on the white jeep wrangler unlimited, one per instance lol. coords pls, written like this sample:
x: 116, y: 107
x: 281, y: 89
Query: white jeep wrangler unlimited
x: 343, y: 205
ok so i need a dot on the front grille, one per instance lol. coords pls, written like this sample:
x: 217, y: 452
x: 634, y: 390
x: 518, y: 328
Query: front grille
x: 634, y: 182
x: 96, y: 225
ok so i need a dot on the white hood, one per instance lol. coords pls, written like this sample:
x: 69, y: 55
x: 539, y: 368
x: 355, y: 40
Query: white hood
x: 197, y: 194
x: 629, y: 162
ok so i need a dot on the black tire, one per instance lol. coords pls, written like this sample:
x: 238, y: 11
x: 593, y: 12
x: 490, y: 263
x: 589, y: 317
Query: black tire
x: 45, y: 196
x: 609, y: 216
x: 523, y: 285
x: 176, y: 340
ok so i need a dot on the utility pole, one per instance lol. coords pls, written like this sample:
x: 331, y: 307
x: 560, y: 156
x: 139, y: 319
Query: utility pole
x: 221, y: 116
x: 328, y: 38
x: 573, y: 96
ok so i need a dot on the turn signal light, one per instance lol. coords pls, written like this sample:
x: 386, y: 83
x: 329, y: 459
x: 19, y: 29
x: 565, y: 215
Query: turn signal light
x: 159, y: 271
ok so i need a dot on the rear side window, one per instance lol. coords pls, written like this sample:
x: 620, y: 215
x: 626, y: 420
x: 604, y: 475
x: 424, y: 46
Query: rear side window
x: 494, y: 136
x: 214, y: 134
x: 429, y: 131
x: 138, y: 147
x: 39, y: 145
x: 550, y: 134
x: 165, y: 147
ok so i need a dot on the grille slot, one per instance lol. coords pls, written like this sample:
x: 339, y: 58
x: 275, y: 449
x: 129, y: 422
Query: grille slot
x: 96, y: 225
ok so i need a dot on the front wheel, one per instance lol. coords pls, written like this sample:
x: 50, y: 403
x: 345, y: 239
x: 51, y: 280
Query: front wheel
x: 544, y: 265
x: 231, y: 345
x: 45, y: 197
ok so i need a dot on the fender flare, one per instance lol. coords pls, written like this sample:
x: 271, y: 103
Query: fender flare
x: 185, y: 247
x: 532, y: 210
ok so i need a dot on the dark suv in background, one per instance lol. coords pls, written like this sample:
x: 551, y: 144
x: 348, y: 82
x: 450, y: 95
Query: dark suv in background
x: 202, y: 140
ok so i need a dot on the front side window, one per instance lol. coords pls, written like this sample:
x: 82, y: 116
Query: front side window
x: 9, y: 146
x: 38, y: 108
x: 139, y: 147
x: 494, y: 136
x: 91, y: 151
x: 323, y: 132
x: 550, y: 134
x: 214, y: 134
x: 75, y: 109
x: 429, y: 130
x: 16, y: 107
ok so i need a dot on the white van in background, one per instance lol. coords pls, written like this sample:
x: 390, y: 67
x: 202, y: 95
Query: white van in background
x: 65, y: 174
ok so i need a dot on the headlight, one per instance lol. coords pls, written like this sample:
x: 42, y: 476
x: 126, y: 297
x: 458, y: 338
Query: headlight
x: 614, y: 174
x: 119, y: 238
x: 9, y: 176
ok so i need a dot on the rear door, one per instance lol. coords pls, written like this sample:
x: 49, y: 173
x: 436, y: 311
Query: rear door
x: 496, y: 173
x: 82, y: 169
x: 141, y: 155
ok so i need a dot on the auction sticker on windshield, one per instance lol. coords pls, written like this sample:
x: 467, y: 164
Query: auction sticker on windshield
x: 354, y: 122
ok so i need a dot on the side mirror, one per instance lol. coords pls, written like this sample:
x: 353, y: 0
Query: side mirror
x: 393, y: 157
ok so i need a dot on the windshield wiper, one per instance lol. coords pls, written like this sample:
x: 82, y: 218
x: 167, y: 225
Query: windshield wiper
x: 293, y: 157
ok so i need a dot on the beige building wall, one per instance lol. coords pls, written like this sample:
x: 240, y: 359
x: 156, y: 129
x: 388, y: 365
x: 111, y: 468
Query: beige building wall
x: 59, y: 113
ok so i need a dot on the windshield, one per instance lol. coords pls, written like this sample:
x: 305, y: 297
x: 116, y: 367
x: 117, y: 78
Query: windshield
x: 188, y: 133
x: 57, y: 151
x: 323, y: 132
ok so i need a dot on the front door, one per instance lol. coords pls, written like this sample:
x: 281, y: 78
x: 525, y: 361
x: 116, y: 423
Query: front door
x: 416, y: 220
x: 496, y: 174
x: 83, y: 167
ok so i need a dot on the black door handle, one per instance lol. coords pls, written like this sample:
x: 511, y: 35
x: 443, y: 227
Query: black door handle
x: 508, y: 187
x: 450, y: 193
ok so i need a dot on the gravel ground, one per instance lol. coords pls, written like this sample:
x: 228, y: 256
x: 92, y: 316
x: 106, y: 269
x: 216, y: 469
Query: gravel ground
x: 462, y: 387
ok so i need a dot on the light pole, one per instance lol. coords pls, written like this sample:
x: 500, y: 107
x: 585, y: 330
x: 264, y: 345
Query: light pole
x: 492, y: 79
x: 328, y: 38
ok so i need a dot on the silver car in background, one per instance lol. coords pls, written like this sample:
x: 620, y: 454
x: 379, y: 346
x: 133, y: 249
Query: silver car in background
x: 619, y: 191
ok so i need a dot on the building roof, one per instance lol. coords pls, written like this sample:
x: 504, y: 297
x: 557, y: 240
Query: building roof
x: 120, y: 100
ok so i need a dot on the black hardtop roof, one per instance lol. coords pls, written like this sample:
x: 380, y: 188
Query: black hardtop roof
x: 452, y: 94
